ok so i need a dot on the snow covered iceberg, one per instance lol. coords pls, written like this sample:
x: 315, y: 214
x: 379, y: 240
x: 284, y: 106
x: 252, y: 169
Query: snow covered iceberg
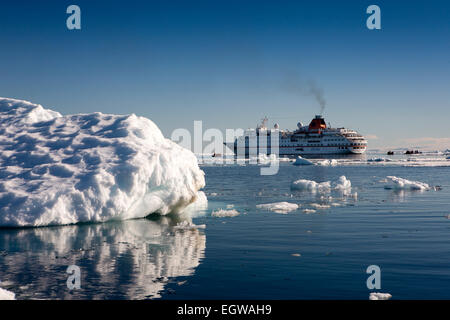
x: 95, y: 167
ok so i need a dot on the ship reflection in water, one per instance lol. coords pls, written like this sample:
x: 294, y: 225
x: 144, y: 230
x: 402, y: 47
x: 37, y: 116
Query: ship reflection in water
x: 132, y: 259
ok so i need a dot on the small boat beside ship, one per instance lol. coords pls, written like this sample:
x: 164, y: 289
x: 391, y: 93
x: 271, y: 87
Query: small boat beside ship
x: 316, y: 138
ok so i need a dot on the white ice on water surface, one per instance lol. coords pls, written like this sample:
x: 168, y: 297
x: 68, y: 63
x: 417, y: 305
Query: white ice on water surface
x: 342, y: 185
x: 221, y: 213
x: 397, y: 183
x: 7, y: 295
x: 310, y: 185
x: 302, y: 162
x: 328, y: 162
x: 279, y: 207
x: 58, y: 169
x: 379, y: 296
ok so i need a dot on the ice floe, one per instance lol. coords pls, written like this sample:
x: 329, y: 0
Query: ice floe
x: 308, y: 211
x: 310, y: 185
x: 7, y: 295
x: 328, y: 162
x: 379, y: 296
x: 221, y: 213
x: 58, y: 170
x: 279, y: 207
x: 342, y: 185
x: 397, y: 183
x: 302, y: 162
x: 320, y: 206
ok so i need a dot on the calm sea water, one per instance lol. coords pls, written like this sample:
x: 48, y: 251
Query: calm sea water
x: 250, y: 256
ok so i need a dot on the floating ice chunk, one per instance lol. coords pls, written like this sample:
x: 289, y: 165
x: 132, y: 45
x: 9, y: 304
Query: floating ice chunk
x: 302, y: 161
x: 220, y: 213
x: 7, y: 295
x: 310, y: 185
x: 279, y: 207
x: 342, y: 185
x: 309, y: 211
x: 58, y: 170
x: 404, y: 184
x: 328, y: 162
x: 320, y: 206
x: 335, y: 204
x: 264, y: 159
x: 379, y: 296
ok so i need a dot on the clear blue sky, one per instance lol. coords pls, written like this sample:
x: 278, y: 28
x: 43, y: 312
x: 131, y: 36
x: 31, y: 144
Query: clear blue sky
x: 226, y: 62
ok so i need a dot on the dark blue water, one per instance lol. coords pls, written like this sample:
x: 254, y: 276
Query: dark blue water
x: 250, y: 256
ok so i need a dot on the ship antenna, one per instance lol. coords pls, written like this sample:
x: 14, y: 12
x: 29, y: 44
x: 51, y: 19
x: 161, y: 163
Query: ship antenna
x: 264, y: 122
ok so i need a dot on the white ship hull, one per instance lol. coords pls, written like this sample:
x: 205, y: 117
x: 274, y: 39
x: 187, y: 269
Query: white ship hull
x: 292, y: 151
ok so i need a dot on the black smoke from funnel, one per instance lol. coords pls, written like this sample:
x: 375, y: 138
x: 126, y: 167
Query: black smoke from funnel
x: 295, y: 84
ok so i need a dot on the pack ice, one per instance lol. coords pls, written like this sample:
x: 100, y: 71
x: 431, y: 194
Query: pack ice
x: 58, y: 169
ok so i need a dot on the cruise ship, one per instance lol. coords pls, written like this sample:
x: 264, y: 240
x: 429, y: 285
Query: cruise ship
x: 315, y: 138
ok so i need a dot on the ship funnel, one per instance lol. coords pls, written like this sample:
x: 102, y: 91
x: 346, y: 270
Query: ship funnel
x: 317, y: 123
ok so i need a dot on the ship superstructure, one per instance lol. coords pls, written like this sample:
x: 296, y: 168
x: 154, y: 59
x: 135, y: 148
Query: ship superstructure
x: 315, y: 138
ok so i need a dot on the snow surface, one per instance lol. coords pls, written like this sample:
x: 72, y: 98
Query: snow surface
x: 221, y: 213
x: 379, y: 296
x: 302, y: 161
x: 279, y: 207
x: 7, y: 295
x: 58, y: 169
x: 397, y: 183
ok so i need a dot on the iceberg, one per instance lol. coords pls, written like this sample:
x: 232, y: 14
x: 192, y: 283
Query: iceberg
x: 397, y: 183
x: 279, y: 207
x: 302, y: 161
x: 57, y: 170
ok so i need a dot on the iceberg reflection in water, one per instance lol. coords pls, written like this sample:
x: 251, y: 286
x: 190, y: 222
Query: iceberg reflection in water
x: 132, y: 259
